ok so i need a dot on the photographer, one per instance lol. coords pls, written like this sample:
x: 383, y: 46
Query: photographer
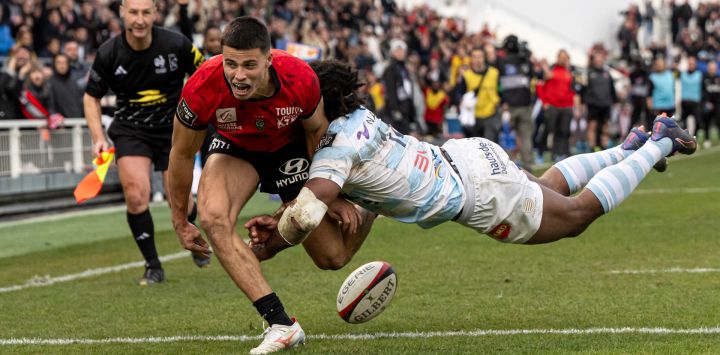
x: 516, y: 74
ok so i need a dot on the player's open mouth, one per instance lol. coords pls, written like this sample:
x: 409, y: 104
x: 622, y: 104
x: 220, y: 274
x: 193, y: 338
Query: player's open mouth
x: 241, y: 89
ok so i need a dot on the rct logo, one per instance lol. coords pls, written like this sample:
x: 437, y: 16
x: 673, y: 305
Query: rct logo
x: 294, y: 166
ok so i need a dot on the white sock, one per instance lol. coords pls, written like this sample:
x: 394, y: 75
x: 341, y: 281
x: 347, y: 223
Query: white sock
x: 579, y: 169
x: 615, y: 183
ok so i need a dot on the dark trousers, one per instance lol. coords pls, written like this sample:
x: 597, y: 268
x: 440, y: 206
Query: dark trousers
x: 641, y: 115
x: 557, y: 122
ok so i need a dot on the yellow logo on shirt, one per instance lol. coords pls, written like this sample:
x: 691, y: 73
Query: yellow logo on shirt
x: 149, y: 98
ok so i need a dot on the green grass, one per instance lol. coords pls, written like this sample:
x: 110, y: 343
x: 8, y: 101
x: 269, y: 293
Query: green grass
x: 450, y: 279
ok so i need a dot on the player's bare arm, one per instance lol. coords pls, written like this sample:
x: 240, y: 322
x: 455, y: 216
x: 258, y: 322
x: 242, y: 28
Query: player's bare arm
x: 185, y: 143
x: 93, y: 112
x: 315, y: 127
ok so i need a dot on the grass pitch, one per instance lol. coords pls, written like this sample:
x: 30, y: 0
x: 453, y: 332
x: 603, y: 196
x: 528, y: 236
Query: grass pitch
x: 624, y: 286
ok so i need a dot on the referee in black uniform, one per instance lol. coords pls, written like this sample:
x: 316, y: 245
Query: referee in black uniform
x: 145, y: 67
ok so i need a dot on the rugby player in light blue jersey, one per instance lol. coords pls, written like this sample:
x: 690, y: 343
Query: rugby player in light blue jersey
x: 468, y: 181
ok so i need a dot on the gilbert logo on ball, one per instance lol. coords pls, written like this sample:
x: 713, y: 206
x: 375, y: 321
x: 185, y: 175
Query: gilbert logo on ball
x: 366, y: 292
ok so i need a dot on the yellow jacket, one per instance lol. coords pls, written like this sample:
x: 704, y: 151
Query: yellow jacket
x: 488, y: 97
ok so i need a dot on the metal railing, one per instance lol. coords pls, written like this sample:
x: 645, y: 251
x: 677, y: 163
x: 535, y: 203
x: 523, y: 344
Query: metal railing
x: 27, y: 147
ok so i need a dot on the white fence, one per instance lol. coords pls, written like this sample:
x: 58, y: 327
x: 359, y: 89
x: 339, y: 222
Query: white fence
x: 24, y: 150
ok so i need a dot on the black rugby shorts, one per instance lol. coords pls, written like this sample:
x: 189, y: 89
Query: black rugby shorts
x: 154, y: 143
x: 283, y: 172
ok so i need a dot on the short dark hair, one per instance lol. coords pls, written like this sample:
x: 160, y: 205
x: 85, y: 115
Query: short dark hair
x: 246, y: 32
x: 338, y: 85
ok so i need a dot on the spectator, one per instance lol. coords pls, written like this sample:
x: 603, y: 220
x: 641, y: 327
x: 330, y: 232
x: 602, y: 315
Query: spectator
x: 628, y: 40
x: 681, y: 16
x: 78, y: 68
x: 691, y: 82
x: 52, y: 48
x: 399, y: 104
x: 483, y: 81
x: 649, y: 19
x: 436, y: 102
x: 89, y: 21
x: 364, y: 60
x: 376, y: 91
x: 19, y: 63
x: 6, y: 39
x: 64, y: 90
x: 24, y: 38
x: 598, y: 95
x: 638, y: 95
x: 211, y: 42
x: 662, y: 89
x: 516, y: 72
x: 36, y: 100
x: 52, y: 27
x: 559, y: 99
x: 11, y: 81
x: 711, y: 102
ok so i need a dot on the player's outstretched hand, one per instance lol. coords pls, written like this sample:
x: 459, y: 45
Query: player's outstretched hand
x: 191, y: 239
x: 261, y: 228
x: 346, y: 213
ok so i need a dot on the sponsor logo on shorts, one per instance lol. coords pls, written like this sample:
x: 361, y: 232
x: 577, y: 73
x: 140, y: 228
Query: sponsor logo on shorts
x: 325, y: 141
x: 185, y: 114
x: 501, y: 231
x: 226, y: 119
x: 497, y: 166
x: 528, y: 206
x: 217, y: 144
x: 296, y: 169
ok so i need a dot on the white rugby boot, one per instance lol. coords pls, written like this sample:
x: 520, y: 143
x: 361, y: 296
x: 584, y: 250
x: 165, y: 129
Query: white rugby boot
x: 280, y: 337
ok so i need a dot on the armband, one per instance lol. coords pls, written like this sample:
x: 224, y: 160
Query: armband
x: 307, y: 211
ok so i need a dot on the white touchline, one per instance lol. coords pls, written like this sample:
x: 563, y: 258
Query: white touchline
x: 368, y: 336
x: 40, y: 281
x: 664, y: 271
x: 682, y: 190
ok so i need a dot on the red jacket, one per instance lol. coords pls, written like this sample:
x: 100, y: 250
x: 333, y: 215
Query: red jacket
x: 558, y: 90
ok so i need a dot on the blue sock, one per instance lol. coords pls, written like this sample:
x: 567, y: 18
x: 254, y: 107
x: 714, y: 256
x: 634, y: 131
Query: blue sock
x: 579, y: 169
x: 615, y: 183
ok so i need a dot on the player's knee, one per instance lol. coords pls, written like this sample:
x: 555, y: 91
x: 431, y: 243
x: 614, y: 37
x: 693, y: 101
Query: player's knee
x: 336, y: 262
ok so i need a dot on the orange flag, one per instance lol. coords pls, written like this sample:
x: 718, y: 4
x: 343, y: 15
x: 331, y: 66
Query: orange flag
x: 91, y: 184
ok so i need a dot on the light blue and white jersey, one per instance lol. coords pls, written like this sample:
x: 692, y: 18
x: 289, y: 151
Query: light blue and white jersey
x: 388, y: 173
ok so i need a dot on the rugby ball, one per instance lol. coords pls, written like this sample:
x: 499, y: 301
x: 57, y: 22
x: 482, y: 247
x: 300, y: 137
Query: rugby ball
x: 366, y: 292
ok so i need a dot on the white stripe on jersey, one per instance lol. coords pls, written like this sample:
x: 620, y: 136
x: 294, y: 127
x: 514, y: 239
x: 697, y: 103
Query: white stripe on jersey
x: 389, y: 173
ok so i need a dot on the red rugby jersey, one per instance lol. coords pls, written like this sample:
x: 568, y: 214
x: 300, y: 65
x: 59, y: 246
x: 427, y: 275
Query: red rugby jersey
x: 263, y: 125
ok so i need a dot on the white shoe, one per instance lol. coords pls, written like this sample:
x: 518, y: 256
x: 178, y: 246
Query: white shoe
x: 707, y: 144
x: 280, y: 337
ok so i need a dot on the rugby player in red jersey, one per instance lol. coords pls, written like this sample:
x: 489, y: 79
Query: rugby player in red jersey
x: 268, y: 112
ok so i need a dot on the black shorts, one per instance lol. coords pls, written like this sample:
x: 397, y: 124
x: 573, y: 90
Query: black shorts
x: 154, y: 143
x: 598, y: 113
x: 283, y: 172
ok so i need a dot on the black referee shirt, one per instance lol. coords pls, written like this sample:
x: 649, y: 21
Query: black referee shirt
x: 147, y: 83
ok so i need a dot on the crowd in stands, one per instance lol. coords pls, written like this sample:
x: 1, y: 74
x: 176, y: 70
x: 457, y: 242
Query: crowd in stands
x: 425, y: 74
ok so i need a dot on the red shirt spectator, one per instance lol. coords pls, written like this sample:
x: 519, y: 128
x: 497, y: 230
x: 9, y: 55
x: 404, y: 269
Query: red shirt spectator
x: 558, y: 89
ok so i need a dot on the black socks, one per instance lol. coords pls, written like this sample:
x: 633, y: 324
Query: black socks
x: 272, y: 310
x: 143, y: 230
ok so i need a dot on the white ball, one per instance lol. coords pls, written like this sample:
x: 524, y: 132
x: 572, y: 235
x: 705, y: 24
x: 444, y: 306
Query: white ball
x: 366, y: 292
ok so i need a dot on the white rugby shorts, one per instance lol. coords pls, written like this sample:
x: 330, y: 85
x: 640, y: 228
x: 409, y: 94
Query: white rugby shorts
x: 500, y: 199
